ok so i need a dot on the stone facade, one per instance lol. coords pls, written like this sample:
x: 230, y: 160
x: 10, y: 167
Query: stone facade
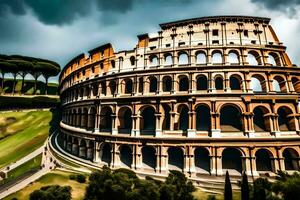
x: 202, y: 96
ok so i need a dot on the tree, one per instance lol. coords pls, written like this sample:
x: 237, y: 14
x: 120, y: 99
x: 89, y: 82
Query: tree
x: 260, y: 189
x: 13, y: 69
x: 227, y: 189
x: 52, y: 192
x: 48, y: 69
x: 4, y: 69
x: 245, y: 187
x: 24, y: 67
x: 287, y: 186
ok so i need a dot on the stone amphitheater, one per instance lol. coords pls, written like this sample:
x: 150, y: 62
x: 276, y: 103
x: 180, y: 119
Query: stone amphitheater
x: 203, y: 96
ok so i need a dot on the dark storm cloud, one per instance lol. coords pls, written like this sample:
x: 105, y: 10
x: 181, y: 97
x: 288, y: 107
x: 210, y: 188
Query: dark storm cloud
x: 288, y: 7
x: 61, y: 12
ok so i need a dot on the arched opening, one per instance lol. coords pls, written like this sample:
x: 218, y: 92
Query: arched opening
x: 90, y: 151
x: 217, y: 57
x: 296, y: 84
x: 291, y: 159
x: 95, y: 89
x: 106, y: 119
x: 263, y: 160
x: 148, y: 123
x: 128, y: 86
x: 148, y: 157
x: 125, y: 156
x: 168, y: 59
x: 202, y: 160
x: 254, y: 58
x: 274, y: 59
x: 141, y: 84
x: 258, y: 83
x: 279, y: 84
x: 152, y: 84
x: 78, y: 118
x: 232, y: 160
x: 125, y: 120
x: 153, y: 61
x: 132, y: 60
x: 167, y: 84
x: 175, y: 158
x: 231, y: 120
x: 183, y: 58
x: 235, y: 82
x: 92, y: 118
x: 105, y: 154
x: 203, y: 118
x: 84, y: 118
x: 261, y: 122
x: 183, y: 120
x: 202, y: 83
x: 183, y: 83
x: 233, y: 57
x: 112, y: 87
x: 82, y: 149
x: 166, y: 123
x: 285, y: 121
x: 75, y: 148
x: 103, y: 87
x: 200, y: 58
x: 219, y: 83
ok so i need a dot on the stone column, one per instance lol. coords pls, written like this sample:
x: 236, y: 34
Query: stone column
x: 158, y: 128
x: 114, y: 130
x: 192, y: 124
x: 96, y: 152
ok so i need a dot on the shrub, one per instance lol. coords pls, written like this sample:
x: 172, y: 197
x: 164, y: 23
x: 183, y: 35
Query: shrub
x: 72, y: 177
x: 52, y: 192
x: 80, y: 178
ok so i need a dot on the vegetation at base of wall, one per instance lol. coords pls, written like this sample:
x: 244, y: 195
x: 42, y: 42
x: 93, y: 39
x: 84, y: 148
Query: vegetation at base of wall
x: 13, y: 102
x: 22, y: 132
x: 30, y: 165
x: 55, y: 177
x: 28, y: 87
x: 79, y: 178
x: 124, y: 184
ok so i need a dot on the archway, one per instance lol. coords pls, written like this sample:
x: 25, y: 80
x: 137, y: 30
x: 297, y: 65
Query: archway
x: 166, y: 123
x: 203, y: 118
x: 258, y: 83
x: 106, y: 119
x: 235, y: 82
x: 232, y: 160
x: 202, y: 160
x: 125, y: 120
x: 149, y: 157
x: 231, y: 120
x: 183, y: 121
x: 128, y: 86
x: 75, y: 147
x: 183, y: 59
x: 168, y: 59
x: 82, y: 149
x: 175, y: 158
x: 254, y: 58
x: 148, y: 124
x: 217, y: 57
x: 233, y: 57
x: 296, y: 84
x: 183, y: 83
x: 202, y: 83
x: 286, y: 122
x: 261, y: 122
x: 105, y: 154
x: 219, y: 83
x: 201, y: 58
x: 263, y: 160
x: 167, y: 84
x: 291, y: 159
x: 84, y: 118
x: 152, y: 84
x: 125, y: 156
x: 112, y: 87
x: 91, y: 118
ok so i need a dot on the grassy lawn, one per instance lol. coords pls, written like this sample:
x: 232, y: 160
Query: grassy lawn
x: 21, y: 133
x: 34, y: 163
x: 53, y: 178
x: 201, y: 195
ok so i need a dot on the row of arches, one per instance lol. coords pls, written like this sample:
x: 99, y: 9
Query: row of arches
x: 232, y: 158
x: 183, y: 83
x: 232, y: 57
x: 231, y: 119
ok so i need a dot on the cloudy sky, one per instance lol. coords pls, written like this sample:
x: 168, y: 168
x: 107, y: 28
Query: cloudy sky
x: 61, y: 29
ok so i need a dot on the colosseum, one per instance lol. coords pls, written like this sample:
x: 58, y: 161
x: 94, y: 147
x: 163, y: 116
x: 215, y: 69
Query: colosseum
x: 203, y: 96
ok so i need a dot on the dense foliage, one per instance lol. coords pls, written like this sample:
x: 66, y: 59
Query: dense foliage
x: 8, y: 102
x: 123, y: 184
x: 227, y: 189
x: 52, y: 192
x: 23, y: 65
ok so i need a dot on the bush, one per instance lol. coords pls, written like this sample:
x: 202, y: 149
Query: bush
x: 80, y: 178
x: 72, y: 177
x: 211, y: 197
x: 52, y: 192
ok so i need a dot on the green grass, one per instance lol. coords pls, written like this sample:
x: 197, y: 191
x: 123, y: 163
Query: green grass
x: 201, y: 195
x: 34, y: 163
x: 21, y: 133
x: 31, y: 164
x: 53, y: 178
